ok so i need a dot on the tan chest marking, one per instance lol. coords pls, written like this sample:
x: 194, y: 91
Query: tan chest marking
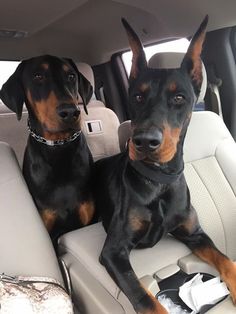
x: 86, y: 212
x: 49, y: 217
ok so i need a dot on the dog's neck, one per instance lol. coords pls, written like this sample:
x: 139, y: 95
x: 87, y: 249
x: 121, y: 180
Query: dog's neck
x: 47, y: 142
x: 163, y: 173
x: 155, y: 173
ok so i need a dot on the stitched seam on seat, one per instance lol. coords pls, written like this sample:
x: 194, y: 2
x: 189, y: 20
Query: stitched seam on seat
x: 224, y: 172
x: 202, y: 180
x: 68, y: 250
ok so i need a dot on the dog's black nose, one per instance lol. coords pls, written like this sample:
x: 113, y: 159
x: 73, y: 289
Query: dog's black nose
x: 68, y: 112
x: 147, y: 141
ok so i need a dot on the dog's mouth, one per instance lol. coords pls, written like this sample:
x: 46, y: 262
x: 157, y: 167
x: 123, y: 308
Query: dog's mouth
x: 154, y: 145
x: 161, y: 155
x: 59, y: 131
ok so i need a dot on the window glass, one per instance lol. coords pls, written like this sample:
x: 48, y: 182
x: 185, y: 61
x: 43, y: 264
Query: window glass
x: 6, y: 69
x: 179, y: 45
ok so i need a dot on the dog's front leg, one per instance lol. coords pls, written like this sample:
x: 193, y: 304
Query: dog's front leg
x: 115, y: 257
x: 191, y: 233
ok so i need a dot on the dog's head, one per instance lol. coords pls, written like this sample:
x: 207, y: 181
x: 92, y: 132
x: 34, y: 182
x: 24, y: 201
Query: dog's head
x: 161, y: 100
x: 49, y: 86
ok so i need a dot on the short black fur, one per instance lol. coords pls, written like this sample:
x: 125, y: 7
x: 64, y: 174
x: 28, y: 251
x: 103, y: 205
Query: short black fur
x: 137, y: 208
x: 58, y: 176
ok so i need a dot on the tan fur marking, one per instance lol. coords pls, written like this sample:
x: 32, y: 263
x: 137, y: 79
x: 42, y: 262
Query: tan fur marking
x: 137, y: 221
x: 132, y: 150
x: 168, y: 146
x: 45, y: 66
x: 194, y: 53
x: 86, y: 212
x: 144, y: 87
x: 157, y: 307
x: 45, y: 110
x: 65, y: 68
x: 172, y: 87
x: 49, y: 217
x: 191, y: 222
x: 225, y: 267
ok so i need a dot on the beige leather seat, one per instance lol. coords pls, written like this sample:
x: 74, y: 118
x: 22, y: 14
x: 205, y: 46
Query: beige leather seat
x: 25, y: 245
x: 210, y: 169
x: 14, y: 132
x: 101, y: 124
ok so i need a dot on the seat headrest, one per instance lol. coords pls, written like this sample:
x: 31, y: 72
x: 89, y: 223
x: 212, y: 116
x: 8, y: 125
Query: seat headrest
x: 172, y: 60
x: 87, y: 71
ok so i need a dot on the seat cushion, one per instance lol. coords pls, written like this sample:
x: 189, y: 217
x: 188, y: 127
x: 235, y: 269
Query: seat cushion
x: 14, y: 132
x: 86, y: 245
x: 25, y: 245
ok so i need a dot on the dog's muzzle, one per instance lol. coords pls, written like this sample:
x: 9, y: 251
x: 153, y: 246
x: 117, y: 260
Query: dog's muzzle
x: 68, y: 113
x: 147, y: 141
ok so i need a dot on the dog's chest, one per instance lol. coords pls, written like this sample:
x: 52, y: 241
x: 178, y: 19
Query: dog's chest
x: 59, y: 182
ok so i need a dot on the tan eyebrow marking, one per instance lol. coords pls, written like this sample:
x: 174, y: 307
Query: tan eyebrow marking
x: 45, y: 66
x: 172, y: 87
x: 65, y: 68
x: 144, y: 87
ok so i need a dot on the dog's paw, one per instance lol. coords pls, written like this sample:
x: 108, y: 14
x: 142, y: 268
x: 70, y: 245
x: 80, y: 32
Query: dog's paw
x: 159, y: 309
x: 229, y: 278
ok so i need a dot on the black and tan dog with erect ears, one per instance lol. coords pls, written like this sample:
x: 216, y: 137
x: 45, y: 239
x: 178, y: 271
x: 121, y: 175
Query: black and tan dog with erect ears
x: 142, y: 194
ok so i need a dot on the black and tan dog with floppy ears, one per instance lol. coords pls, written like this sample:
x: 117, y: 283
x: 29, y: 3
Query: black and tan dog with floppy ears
x: 142, y: 193
x: 57, y: 161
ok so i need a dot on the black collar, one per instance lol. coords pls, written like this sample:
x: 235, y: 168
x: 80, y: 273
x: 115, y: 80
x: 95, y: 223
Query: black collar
x: 155, y: 173
x: 43, y: 140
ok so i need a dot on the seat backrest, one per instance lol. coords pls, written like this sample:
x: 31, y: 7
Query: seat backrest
x: 14, y: 132
x: 210, y: 171
x: 100, y: 125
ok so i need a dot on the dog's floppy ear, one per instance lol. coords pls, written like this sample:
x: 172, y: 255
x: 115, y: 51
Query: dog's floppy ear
x: 84, y: 87
x: 85, y: 90
x: 192, y: 62
x: 139, y: 61
x: 12, y: 92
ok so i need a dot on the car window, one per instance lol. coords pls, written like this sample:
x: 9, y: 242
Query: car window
x: 6, y: 70
x: 178, y: 45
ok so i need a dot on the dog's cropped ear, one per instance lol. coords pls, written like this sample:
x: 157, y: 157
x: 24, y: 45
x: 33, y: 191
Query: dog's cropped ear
x: 192, y: 62
x: 12, y: 92
x: 85, y: 89
x: 139, y: 61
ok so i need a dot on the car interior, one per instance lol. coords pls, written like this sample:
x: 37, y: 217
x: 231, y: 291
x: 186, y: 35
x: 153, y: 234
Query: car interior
x: 90, y: 32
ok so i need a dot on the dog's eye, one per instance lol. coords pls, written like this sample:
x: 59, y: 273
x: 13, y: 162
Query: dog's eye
x: 139, y: 98
x: 179, y: 99
x: 71, y: 77
x: 39, y: 77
